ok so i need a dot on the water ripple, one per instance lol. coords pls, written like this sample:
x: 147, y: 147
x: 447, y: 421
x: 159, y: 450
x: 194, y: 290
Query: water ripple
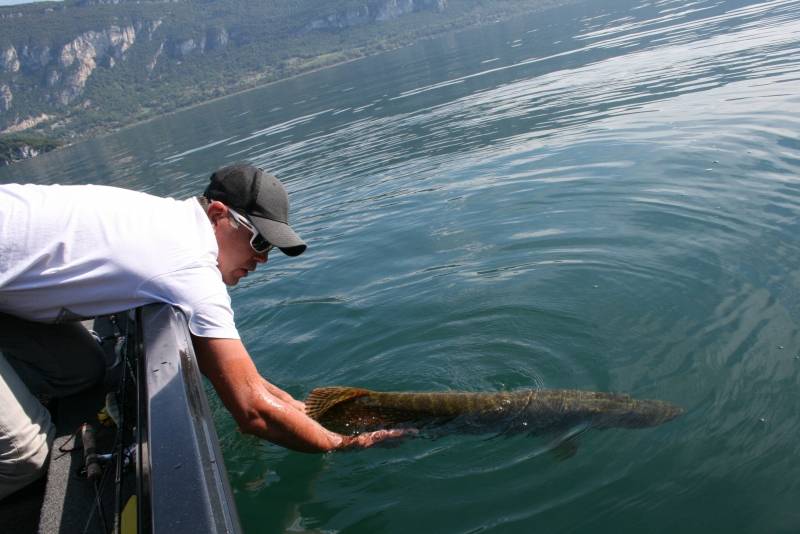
x: 605, y: 199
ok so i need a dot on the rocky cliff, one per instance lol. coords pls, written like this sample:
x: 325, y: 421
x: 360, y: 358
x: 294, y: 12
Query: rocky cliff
x: 17, y: 149
x: 373, y: 12
x: 57, y: 73
x: 77, y: 60
x: 118, y: 46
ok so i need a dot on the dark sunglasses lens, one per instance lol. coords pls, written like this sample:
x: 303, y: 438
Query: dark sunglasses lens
x: 260, y: 244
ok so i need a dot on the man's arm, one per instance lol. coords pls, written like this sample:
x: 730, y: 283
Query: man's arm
x: 265, y: 410
x: 278, y: 392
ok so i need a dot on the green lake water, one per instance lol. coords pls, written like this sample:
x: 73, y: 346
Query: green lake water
x: 603, y: 196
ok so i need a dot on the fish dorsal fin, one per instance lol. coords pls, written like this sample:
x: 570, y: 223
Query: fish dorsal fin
x: 320, y: 400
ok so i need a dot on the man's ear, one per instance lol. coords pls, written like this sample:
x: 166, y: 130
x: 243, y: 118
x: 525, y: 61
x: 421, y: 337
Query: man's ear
x: 216, y: 211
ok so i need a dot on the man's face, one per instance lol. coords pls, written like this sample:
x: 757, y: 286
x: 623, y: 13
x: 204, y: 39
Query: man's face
x: 236, y: 257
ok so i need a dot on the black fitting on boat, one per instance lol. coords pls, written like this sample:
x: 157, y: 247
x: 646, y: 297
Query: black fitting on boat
x: 90, y: 461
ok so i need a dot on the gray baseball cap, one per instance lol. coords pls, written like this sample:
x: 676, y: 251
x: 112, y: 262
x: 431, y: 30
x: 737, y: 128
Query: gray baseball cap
x: 262, y: 199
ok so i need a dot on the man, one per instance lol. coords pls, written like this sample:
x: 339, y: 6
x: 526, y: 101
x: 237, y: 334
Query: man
x: 71, y: 252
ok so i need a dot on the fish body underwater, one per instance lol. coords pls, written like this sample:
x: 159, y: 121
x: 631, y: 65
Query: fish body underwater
x: 351, y: 410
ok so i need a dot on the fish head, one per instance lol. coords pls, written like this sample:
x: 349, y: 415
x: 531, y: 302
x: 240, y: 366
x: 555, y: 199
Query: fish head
x: 639, y: 414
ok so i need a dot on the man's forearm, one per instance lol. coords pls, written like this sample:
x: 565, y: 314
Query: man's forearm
x: 267, y: 411
x: 278, y: 392
x: 278, y: 421
x: 281, y: 394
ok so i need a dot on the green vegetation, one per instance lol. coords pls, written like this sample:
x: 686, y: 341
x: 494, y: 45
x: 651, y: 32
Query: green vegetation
x: 18, y: 147
x: 186, y: 52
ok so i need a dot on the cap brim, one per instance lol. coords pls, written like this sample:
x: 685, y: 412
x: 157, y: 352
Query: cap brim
x: 279, y: 234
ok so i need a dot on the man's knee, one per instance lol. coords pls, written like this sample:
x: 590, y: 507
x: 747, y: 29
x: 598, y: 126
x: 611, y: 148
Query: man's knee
x: 54, y: 360
x: 26, y: 432
x: 25, y: 464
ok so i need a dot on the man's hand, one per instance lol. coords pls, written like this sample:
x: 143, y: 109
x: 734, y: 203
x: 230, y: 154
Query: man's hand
x: 263, y: 409
x: 285, y: 397
x: 368, y: 439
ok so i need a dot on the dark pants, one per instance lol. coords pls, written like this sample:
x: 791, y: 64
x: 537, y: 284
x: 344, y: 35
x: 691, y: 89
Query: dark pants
x: 38, y: 362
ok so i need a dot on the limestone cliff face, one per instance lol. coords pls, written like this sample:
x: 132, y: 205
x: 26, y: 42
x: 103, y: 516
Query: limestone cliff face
x: 216, y: 38
x: 5, y: 97
x: 34, y: 58
x: 24, y: 124
x: 9, y: 61
x: 44, y: 78
x: 62, y: 71
x: 374, y: 11
x: 154, y: 60
x: 180, y: 48
x: 19, y: 153
x: 212, y: 39
x: 79, y: 58
x: 391, y: 9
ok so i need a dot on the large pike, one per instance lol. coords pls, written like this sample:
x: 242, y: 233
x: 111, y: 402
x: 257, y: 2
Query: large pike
x: 353, y: 410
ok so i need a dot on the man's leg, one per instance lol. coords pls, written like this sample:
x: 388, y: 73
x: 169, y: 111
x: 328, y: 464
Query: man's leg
x: 44, y: 361
x: 26, y: 432
x: 53, y: 360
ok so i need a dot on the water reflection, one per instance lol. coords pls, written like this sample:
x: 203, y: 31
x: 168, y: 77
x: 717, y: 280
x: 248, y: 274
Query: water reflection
x: 602, y: 197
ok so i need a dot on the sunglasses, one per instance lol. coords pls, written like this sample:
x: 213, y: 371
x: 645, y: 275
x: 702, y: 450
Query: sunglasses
x: 257, y: 241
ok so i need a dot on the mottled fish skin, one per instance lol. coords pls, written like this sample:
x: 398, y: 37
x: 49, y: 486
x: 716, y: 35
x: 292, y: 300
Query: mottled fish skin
x: 354, y: 410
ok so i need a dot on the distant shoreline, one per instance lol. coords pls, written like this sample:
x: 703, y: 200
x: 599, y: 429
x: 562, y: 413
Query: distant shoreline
x: 263, y: 85
x: 56, y: 143
x: 240, y: 92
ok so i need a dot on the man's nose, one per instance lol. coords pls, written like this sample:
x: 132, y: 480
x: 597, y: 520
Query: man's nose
x: 261, y: 257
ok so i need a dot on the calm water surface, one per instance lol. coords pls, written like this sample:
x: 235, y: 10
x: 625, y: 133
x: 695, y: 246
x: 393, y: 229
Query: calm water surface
x: 603, y: 196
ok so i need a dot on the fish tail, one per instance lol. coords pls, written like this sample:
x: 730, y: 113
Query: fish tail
x: 320, y: 400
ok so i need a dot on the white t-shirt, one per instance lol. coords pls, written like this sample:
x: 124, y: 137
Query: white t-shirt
x: 71, y: 252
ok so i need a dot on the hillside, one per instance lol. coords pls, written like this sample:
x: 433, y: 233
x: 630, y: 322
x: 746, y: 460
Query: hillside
x: 83, y: 67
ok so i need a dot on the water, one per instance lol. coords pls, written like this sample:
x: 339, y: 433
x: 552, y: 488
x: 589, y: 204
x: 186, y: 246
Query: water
x: 604, y: 196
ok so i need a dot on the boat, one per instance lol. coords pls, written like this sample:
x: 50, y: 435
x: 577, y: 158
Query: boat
x: 157, y: 466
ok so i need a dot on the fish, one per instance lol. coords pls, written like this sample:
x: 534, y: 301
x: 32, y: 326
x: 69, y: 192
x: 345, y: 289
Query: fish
x: 352, y: 410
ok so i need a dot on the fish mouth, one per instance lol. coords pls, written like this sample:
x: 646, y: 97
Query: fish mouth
x: 647, y: 413
x: 674, y: 412
x: 654, y: 413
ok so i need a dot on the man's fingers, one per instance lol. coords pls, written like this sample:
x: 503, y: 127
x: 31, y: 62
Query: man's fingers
x: 368, y: 439
x: 399, y: 433
x: 379, y: 435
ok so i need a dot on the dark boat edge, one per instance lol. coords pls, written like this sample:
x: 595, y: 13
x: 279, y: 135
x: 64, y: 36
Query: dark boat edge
x: 176, y: 473
x: 182, y: 482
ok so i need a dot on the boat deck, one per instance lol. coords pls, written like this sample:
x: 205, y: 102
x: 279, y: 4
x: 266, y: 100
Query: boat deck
x: 64, y: 501
x: 166, y: 420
